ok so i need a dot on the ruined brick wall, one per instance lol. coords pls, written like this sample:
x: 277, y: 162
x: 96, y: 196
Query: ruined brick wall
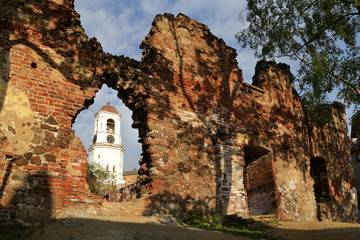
x: 355, y: 150
x: 201, y: 128
x: 296, y: 139
x: 286, y: 129
x: 334, y: 148
x: 46, y: 78
x: 193, y: 82
x: 355, y: 162
x: 203, y: 119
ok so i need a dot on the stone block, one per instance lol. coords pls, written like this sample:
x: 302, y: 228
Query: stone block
x: 19, y: 160
x: 28, y: 155
x: 36, y: 160
x: 50, y: 157
x: 51, y: 120
x: 39, y: 150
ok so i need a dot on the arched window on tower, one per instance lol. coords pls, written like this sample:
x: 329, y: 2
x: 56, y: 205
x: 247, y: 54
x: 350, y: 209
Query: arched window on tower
x: 110, y: 126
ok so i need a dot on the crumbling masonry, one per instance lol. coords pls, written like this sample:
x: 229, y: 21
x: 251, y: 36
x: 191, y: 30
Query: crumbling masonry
x: 209, y: 140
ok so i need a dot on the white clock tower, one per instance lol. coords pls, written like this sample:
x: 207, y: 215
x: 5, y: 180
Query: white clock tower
x: 106, y: 148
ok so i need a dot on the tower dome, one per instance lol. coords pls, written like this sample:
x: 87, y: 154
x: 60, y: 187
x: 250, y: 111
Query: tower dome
x: 109, y: 108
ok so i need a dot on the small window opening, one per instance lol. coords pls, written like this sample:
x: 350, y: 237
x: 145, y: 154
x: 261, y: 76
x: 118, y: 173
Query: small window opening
x: 113, y: 168
x: 33, y: 65
x: 107, y: 168
x: 110, y: 126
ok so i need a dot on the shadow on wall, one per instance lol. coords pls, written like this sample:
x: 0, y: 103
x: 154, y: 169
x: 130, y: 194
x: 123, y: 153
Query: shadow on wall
x: 31, y: 190
x: 6, y: 174
x: 4, y: 68
x: 178, y: 206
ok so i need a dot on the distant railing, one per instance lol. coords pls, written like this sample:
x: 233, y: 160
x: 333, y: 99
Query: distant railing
x: 110, y: 131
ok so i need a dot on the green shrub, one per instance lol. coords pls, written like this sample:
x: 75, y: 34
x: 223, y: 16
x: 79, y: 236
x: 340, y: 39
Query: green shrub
x: 194, y: 217
x: 197, y: 219
x: 100, y: 181
x: 216, y: 222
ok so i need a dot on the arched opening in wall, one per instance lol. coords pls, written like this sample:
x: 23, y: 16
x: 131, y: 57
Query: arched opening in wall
x: 259, y: 180
x: 110, y: 126
x: 321, y: 186
x: 110, y: 130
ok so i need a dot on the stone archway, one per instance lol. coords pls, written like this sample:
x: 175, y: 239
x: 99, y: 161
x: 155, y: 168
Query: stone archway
x: 259, y: 180
x: 318, y: 172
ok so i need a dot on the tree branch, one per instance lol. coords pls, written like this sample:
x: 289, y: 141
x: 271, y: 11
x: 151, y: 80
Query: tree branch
x: 350, y: 2
x: 330, y: 72
x: 324, y: 29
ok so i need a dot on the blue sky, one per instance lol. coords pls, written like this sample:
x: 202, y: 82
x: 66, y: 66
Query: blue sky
x: 120, y: 26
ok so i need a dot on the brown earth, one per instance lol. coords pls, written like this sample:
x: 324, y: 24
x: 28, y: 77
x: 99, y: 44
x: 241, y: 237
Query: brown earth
x: 124, y: 228
x: 159, y: 228
x: 316, y: 231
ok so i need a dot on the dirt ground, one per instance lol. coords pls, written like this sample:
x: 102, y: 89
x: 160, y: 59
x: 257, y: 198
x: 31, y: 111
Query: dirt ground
x: 124, y: 228
x: 162, y: 228
x: 316, y: 230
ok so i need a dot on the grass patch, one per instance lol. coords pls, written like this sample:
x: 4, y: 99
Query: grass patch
x: 229, y: 224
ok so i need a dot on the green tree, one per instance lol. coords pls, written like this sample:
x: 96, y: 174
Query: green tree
x: 100, y: 181
x: 323, y: 35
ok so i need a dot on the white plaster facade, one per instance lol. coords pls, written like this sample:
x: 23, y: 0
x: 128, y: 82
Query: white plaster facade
x: 106, y: 148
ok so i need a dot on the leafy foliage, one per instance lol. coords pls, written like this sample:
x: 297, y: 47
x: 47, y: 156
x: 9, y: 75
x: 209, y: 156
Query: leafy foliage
x: 100, y: 181
x: 322, y: 34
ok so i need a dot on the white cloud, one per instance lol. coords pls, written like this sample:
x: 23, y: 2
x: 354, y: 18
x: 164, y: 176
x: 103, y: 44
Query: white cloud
x: 152, y: 8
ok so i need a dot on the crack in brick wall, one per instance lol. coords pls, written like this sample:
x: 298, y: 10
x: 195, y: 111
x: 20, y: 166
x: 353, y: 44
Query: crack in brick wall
x: 195, y: 117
